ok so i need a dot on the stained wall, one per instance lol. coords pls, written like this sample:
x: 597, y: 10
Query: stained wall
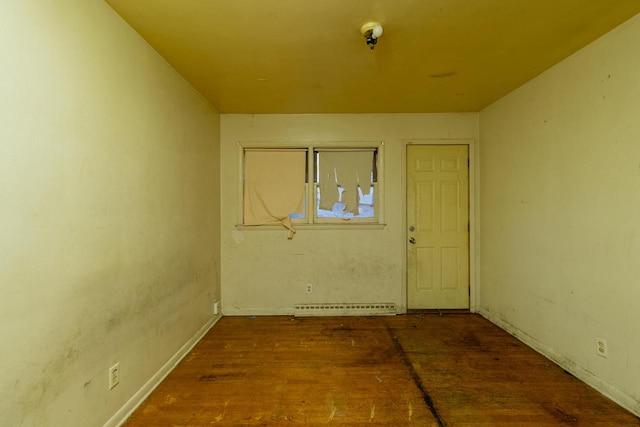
x: 109, y: 212
x: 265, y: 273
x: 560, y: 213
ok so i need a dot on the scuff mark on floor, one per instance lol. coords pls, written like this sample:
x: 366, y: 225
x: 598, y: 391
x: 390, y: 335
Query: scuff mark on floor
x: 333, y: 411
x: 416, y: 378
x: 224, y: 411
x: 373, y: 412
x: 150, y: 409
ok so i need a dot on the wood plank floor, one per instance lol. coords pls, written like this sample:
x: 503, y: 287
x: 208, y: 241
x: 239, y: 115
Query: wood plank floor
x: 420, y: 369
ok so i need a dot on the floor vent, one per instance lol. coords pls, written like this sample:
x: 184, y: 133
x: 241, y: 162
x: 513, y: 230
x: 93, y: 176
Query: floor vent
x: 373, y: 309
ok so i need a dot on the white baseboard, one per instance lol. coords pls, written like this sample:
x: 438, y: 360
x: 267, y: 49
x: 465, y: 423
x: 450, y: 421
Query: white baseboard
x: 568, y: 365
x: 140, y: 396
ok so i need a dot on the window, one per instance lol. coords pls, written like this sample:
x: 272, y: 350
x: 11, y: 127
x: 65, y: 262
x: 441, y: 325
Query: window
x: 318, y: 184
x: 345, y: 183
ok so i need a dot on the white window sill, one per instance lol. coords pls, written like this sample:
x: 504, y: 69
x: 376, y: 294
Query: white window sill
x: 323, y: 226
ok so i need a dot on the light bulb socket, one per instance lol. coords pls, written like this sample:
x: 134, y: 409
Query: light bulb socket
x: 371, y: 31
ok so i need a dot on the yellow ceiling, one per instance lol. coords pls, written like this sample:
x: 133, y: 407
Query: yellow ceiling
x: 308, y: 56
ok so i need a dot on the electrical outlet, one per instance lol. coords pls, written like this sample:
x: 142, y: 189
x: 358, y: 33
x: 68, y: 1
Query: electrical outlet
x: 309, y: 288
x: 601, y: 347
x: 114, y: 375
x: 216, y: 308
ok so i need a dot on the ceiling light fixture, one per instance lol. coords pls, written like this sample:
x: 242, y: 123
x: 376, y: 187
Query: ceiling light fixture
x: 371, y: 31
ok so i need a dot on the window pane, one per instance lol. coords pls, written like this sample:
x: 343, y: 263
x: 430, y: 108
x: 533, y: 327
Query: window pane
x: 345, y: 184
x: 365, y: 208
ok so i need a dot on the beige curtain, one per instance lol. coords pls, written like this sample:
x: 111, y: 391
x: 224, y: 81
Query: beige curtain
x: 274, y: 186
x: 353, y: 170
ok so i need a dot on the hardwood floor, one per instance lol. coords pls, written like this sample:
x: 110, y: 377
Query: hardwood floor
x: 419, y: 369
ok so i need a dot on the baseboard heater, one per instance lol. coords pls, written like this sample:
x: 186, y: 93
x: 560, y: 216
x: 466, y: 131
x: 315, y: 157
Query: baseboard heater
x: 364, y: 309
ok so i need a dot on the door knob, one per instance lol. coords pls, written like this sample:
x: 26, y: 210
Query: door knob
x: 412, y: 241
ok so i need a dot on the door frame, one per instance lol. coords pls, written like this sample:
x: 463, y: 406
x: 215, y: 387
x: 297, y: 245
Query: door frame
x: 474, y: 212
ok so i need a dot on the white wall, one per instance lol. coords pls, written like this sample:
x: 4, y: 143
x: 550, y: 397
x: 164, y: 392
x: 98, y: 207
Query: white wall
x: 264, y: 273
x: 109, y: 212
x: 560, y: 212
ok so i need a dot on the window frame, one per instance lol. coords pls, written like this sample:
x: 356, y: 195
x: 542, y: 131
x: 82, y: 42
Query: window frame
x: 311, y: 220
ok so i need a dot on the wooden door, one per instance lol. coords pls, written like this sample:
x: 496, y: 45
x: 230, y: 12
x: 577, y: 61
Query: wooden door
x: 438, y: 226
